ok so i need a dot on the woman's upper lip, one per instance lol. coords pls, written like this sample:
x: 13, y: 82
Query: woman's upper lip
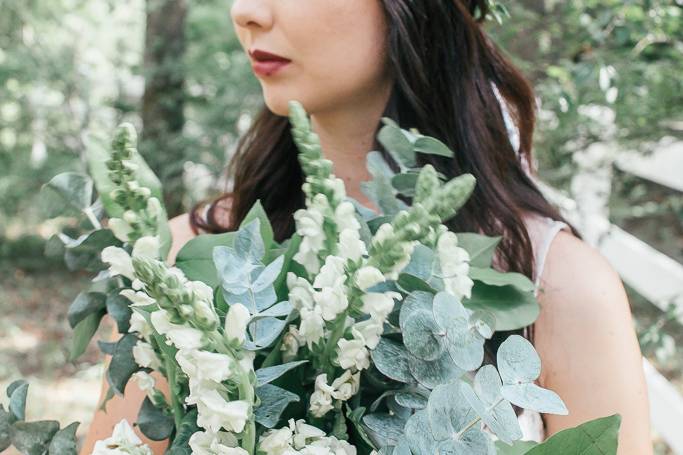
x: 260, y: 56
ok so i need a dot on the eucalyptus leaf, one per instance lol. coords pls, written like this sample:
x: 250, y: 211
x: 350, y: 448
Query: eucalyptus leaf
x: 106, y: 347
x: 154, y: 423
x: 413, y: 302
x: 122, y: 365
x: 487, y: 401
x: 33, y: 438
x: 266, y: 230
x: 433, y: 373
x: 422, y: 261
x: 412, y: 400
x: 83, y: 333
x: 404, y: 183
x: 432, y: 146
x: 118, y: 307
x: 383, y: 429
x: 380, y: 190
x: 278, y: 310
x: 269, y: 374
x: 248, y: 243
x: 67, y: 193
x: 419, y: 434
x: 85, y: 304
x: 274, y: 400
x: 447, y: 410
x: 392, y: 360
x: 398, y: 145
x: 266, y: 331
x: 421, y: 335
x: 64, y: 441
x: 17, y: 399
x: 463, y: 342
x: 519, y: 366
x: 268, y: 275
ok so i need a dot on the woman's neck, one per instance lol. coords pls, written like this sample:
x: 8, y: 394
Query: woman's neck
x: 346, y: 136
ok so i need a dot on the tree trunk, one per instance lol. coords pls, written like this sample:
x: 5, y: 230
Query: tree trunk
x: 164, y: 98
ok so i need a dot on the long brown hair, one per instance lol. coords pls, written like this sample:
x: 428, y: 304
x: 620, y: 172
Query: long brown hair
x: 445, y: 68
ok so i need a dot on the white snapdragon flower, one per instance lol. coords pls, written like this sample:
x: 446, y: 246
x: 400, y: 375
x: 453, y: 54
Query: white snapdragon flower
x: 201, y: 290
x: 330, y: 446
x: 302, y: 432
x: 137, y: 298
x: 368, y: 276
x: 309, y: 225
x: 346, y: 385
x: 205, y: 365
x: 370, y: 330
x: 120, y: 228
x: 312, y: 327
x: 183, y: 337
x: 276, y: 442
x: 139, y: 324
x: 345, y: 217
x: 332, y: 300
x: 291, y: 342
x: 120, y: 262
x: 215, y: 413
x: 321, y: 398
x: 300, y: 291
x: 350, y: 245
x: 353, y: 354
x: 236, y: 322
x: 144, y: 381
x: 144, y: 355
x: 338, y: 188
x: 454, y: 262
x: 210, y: 443
x: 379, y: 304
x: 147, y: 246
x: 123, y: 441
x: 330, y: 272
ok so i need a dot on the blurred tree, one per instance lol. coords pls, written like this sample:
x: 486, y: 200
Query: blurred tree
x: 163, y: 103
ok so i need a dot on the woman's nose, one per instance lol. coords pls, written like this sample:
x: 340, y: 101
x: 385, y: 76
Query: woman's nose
x: 252, y: 13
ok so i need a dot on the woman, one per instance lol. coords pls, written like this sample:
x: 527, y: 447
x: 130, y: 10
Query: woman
x: 429, y: 65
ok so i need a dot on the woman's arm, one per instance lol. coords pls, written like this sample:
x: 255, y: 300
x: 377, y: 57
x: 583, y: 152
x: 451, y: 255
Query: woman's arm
x: 127, y: 406
x: 589, y: 351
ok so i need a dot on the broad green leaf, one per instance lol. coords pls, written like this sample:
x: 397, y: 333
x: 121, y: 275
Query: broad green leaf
x: 64, y: 442
x: 596, y: 437
x: 432, y: 146
x: 83, y: 333
x: 383, y: 429
x: 519, y: 366
x: 84, y: 252
x: 496, y: 278
x: 511, y: 308
x: 33, y: 438
x: 122, y: 365
x: 517, y: 447
x: 153, y: 422
x: 274, y: 400
x: 195, y: 258
x: 269, y: 374
x: 480, y: 247
x: 410, y: 283
x: 391, y: 359
x: 85, y: 304
x: 67, y: 193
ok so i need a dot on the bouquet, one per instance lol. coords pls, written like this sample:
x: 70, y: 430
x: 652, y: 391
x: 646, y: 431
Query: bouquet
x: 361, y: 334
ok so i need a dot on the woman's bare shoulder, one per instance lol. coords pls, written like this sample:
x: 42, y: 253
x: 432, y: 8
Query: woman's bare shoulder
x: 589, y: 351
x: 181, y: 232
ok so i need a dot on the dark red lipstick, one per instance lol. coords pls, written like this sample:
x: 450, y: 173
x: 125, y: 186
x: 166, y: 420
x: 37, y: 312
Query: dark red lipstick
x: 265, y: 63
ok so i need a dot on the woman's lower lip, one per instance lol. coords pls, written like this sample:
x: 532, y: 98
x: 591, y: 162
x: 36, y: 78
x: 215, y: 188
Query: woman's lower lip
x: 268, y: 67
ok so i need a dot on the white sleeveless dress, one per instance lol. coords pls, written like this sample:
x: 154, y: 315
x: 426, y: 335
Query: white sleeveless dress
x: 542, y: 230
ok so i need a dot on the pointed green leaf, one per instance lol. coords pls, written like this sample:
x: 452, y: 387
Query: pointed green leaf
x: 596, y: 437
x: 496, y: 278
x: 274, y: 400
x: 33, y: 438
x: 480, y: 247
x: 511, y: 308
x: 269, y: 374
x: 67, y: 193
x: 432, y: 146
x: 122, y: 365
x: 64, y: 441
x: 154, y: 422
x: 83, y: 333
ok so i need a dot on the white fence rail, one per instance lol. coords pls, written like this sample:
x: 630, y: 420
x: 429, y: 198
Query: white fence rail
x: 652, y: 274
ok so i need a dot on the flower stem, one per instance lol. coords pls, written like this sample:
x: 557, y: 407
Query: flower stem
x: 246, y: 392
x: 337, y: 333
x: 176, y: 406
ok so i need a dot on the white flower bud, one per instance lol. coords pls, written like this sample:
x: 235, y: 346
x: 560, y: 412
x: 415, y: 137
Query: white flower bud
x: 236, y: 322
x: 120, y: 228
x: 147, y: 246
x: 368, y: 276
x: 120, y: 262
x: 144, y: 355
x: 350, y: 245
x: 353, y: 354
